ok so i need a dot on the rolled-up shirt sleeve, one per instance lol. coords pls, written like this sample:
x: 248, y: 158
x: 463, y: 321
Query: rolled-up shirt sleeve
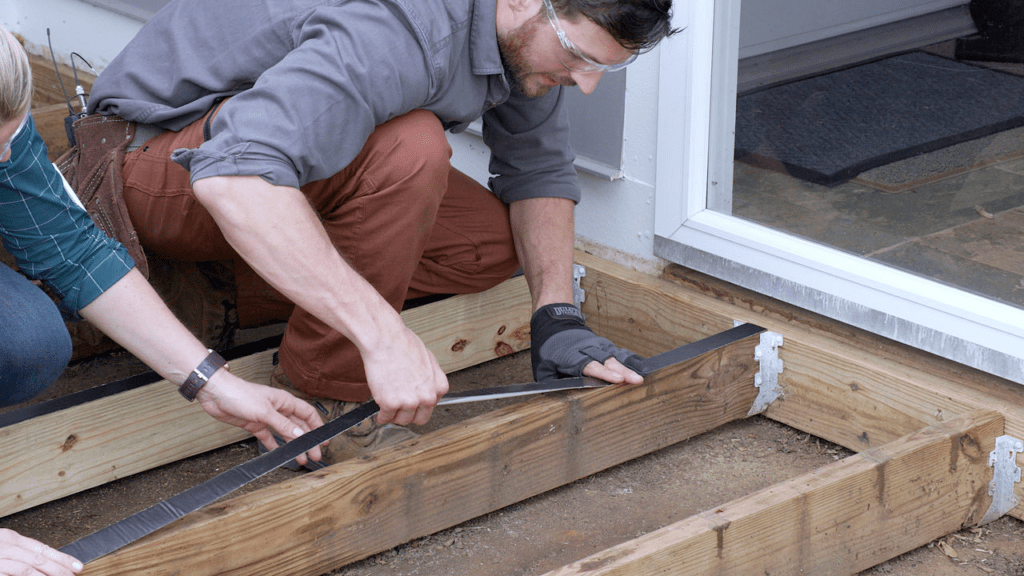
x: 309, y: 80
x: 308, y: 116
x: 50, y: 236
x: 530, y: 152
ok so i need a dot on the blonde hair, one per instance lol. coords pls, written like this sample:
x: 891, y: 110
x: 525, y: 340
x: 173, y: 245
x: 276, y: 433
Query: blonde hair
x: 15, y: 77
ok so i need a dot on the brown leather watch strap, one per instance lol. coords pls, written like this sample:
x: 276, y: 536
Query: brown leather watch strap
x: 201, y: 375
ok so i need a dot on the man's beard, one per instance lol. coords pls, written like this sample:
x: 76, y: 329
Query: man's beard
x: 511, y: 47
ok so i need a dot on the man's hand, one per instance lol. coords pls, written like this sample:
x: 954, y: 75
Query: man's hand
x: 297, y: 257
x: 21, y: 556
x: 405, y: 379
x: 562, y: 345
x: 257, y: 409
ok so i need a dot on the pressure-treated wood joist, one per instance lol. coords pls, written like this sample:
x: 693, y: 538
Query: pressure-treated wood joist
x: 839, y: 519
x: 65, y: 452
x: 840, y: 383
x: 317, y: 522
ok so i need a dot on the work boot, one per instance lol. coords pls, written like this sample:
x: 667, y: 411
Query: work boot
x: 360, y: 440
x: 202, y: 295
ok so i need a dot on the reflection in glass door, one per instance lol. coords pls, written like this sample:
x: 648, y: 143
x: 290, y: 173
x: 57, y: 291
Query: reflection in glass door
x: 888, y: 135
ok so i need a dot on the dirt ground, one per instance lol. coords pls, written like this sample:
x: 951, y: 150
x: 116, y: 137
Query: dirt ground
x: 550, y: 530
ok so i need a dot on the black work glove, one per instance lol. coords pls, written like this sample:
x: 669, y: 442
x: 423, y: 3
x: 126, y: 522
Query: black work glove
x: 561, y: 344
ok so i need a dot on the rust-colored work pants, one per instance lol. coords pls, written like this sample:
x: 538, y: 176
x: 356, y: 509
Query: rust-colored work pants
x: 399, y: 213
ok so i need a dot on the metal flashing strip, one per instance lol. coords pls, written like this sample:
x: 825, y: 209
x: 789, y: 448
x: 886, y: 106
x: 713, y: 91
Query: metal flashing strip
x: 1005, y: 473
x: 132, y: 528
x: 118, y: 386
x: 966, y: 328
x: 767, y: 378
x: 694, y: 349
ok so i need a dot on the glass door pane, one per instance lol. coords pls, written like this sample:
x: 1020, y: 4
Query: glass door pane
x: 910, y: 154
x: 909, y: 227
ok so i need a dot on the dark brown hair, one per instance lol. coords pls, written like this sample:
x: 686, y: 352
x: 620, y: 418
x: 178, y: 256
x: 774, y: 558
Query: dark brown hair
x: 635, y: 24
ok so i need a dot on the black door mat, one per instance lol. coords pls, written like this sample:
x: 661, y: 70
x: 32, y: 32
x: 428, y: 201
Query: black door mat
x: 830, y: 128
x: 911, y: 173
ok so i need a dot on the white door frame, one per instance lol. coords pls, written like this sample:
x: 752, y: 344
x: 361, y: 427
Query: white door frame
x: 696, y: 124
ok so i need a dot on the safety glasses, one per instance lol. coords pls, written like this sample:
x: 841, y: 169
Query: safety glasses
x: 582, y: 63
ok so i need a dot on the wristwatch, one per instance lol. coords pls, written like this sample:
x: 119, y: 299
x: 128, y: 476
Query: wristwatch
x: 202, y: 374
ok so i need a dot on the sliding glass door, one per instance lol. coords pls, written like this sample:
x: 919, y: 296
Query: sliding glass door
x: 863, y: 165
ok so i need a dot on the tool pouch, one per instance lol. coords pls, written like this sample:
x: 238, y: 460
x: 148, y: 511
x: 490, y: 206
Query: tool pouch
x: 93, y: 168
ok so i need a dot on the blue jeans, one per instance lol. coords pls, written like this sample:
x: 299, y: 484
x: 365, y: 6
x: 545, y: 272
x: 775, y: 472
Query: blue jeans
x: 34, y: 342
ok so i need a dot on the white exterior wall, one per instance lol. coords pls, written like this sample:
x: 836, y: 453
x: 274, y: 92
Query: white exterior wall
x: 769, y: 26
x: 96, y: 34
x: 615, y: 219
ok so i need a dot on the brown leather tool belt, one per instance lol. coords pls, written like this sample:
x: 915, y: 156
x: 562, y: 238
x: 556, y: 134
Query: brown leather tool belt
x: 93, y: 168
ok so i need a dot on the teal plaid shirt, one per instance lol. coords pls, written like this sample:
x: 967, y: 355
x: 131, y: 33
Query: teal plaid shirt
x: 50, y: 235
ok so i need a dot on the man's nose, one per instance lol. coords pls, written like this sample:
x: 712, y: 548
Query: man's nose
x: 587, y: 81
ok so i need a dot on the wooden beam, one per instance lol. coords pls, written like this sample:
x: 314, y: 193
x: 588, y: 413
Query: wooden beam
x: 842, y: 384
x: 320, y: 521
x: 65, y: 452
x: 471, y: 329
x: 47, y: 85
x: 839, y: 519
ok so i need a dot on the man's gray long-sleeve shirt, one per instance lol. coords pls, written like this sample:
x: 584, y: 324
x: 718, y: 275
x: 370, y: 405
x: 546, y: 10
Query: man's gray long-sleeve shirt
x: 310, y: 80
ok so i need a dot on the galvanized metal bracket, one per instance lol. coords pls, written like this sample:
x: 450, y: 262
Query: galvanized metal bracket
x: 1005, y: 473
x: 767, y: 378
x: 578, y: 295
